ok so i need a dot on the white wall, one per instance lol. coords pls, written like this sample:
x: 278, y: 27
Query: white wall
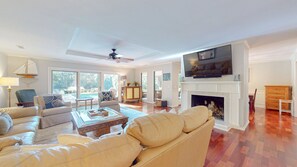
x: 169, y: 88
x: 41, y: 83
x: 269, y: 73
x: 3, y: 73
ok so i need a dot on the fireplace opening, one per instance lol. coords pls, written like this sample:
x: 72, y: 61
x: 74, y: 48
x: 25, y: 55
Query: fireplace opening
x: 215, y: 104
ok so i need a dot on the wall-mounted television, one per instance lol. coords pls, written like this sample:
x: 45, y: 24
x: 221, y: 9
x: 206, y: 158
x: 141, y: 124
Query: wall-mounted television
x: 209, y: 63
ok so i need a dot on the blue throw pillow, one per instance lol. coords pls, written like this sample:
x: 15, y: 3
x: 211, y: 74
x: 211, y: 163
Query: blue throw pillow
x: 53, y: 101
x: 107, y: 96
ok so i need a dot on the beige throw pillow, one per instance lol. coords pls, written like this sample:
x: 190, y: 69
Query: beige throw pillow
x: 5, y: 123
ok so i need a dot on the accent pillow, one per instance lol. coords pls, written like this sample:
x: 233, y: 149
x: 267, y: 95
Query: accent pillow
x: 5, y: 123
x: 106, y: 96
x: 53, y: 101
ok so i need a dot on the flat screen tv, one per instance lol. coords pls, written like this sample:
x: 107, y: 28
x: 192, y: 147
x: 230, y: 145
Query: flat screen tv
x: 209, y: 63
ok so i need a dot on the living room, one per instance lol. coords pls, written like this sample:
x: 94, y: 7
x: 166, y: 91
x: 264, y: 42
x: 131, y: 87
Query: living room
x: 130, y: 64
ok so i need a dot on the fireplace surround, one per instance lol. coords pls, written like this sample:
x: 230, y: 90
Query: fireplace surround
x: 228, y: 90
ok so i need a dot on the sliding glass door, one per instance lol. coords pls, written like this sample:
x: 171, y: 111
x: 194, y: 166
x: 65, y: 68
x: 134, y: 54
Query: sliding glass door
x: 65, y: 83
x: 158, y: 85
x: 80, y: 84
x: 89, y: 85
x: 144, y: 84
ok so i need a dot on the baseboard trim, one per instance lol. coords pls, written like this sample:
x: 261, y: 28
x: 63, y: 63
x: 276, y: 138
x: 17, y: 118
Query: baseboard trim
x: 151, y: 102
x: 260, y: 105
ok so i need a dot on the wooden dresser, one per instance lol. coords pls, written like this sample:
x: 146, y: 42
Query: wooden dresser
x: 131, y: 93
x: 275, y: 92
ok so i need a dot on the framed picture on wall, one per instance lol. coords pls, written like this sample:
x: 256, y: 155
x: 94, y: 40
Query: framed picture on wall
x: 166, y: 77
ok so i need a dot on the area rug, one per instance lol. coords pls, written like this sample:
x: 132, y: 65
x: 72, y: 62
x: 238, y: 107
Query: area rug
x: 131, y: 113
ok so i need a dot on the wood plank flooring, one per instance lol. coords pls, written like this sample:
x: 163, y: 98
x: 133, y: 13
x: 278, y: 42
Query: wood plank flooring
x: 269, y: 140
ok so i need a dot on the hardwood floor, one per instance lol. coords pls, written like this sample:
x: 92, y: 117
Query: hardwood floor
x: 269, y: 140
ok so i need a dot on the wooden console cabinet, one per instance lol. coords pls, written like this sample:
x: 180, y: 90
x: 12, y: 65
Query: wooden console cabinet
x: 131, y: 94
x: 274, y: 93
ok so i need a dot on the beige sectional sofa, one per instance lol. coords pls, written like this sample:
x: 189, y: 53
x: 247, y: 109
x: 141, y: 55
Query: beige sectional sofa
x: 157, y: 140
x: 25, y: 123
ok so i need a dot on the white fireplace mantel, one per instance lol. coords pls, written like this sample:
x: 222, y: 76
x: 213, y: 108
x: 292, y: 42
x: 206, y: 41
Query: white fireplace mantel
x: 230, y: 90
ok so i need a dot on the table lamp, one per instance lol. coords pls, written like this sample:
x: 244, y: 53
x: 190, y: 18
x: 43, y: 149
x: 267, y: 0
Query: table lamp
x: 9, y: 81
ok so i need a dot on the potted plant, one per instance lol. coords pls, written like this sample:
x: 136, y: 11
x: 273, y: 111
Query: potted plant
x: 136, y: 84
x: 128, y: 84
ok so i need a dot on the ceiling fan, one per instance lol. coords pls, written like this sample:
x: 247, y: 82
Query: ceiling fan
x: 112, y: 56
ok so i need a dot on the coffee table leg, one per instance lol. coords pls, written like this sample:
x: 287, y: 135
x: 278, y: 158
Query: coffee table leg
x: 101, y: 131
x: 91, y: 104
x: 85, y: 104
x: 124, y: 125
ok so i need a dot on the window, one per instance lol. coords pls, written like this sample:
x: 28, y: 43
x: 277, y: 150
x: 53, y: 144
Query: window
x: 158, y: 85
x: 65, y: 83
x: 111, y: 81
x: 89, y: 85
x: 144, y: 84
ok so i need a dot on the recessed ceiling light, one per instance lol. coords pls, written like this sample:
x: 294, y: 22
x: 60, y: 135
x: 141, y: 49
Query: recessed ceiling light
x: 20, y: 46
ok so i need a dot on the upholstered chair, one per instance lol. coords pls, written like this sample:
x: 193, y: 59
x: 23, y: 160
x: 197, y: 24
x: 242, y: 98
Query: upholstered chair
x: 52, y: 110
x: 108, y: 99
x: 25, y: 97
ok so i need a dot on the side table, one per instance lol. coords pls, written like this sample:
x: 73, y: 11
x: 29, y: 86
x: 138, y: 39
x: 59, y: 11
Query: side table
x: 85, y: 100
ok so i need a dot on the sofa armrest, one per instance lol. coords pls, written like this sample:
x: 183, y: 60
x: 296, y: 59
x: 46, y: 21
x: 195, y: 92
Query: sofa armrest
x: 73, y: 139
x: 19, y: 112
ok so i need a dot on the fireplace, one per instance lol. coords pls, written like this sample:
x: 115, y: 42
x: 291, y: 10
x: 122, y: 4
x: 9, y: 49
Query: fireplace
x: 213, y: 103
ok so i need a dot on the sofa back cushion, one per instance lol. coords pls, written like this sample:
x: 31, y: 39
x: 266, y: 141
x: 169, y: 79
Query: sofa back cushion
x: 5, y: 123
x: 116, y: 151
x: 194, y: 117
x: 53, y: 101
x: 156, y: 129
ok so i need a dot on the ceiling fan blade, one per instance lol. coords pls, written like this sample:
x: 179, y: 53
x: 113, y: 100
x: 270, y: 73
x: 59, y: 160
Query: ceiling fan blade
x: 125, y: 60
x: 85, y: 54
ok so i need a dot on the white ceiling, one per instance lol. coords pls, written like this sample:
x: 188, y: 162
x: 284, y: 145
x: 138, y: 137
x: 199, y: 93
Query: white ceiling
x: 148, y: 31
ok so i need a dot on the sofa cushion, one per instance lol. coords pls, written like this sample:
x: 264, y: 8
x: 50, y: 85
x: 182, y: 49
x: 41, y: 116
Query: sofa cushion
x: 53, y: 101
x: 194, y: 117
x: 109, y: 103
x: 27, y: 138
x: 5, y: 123
x: 55, y: 111
x: 9, y: 141
x: 110, y: 152
x: 21, y: 128
x: 25, y: 120
x: 156, y: 129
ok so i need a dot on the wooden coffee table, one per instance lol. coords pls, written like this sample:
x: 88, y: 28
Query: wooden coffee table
x: 99, y: 125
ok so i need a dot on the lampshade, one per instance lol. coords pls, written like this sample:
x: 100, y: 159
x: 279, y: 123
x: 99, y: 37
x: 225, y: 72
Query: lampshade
x: 9, y: 81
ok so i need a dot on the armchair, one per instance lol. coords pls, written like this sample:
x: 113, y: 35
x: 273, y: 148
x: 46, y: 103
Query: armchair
x: 108, y: 99
x: 52, y: 110
x: 25, y: 97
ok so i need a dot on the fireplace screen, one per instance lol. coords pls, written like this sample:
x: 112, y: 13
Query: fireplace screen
x: 215, y: 104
